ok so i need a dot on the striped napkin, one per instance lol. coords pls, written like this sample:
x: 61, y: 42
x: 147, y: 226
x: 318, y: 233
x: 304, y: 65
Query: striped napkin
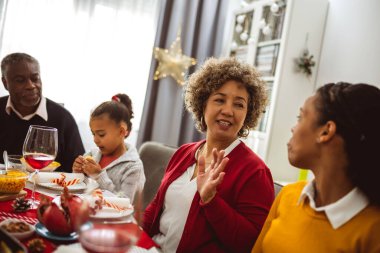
x: 5, y: 216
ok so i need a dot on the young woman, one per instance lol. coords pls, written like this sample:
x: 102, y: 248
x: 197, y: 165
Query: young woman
x: 216, y: 193
x: 115, y: 165
x: 337, y: 137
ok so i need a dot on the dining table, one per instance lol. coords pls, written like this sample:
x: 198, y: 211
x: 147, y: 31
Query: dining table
x: 144, y: 243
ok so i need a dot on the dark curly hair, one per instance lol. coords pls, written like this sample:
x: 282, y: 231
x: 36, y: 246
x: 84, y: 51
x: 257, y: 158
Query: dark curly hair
x: 215, y: 73
x: 355, y: 109
x: 119, y: 109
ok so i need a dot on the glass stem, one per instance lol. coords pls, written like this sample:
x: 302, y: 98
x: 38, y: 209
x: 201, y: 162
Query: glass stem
x: 34, y: 187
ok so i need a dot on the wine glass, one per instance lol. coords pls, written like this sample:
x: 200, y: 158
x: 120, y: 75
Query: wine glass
x: 39, y: 150
x: 110, y: 235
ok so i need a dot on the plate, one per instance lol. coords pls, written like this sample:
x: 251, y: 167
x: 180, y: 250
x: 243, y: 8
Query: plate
x: 42, y: 231
x: 76, y: 187
x: 18, y: 235
x: 111, y: 213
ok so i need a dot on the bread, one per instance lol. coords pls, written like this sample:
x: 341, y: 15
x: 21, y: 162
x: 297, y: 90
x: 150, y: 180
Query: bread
x: 88, y: 158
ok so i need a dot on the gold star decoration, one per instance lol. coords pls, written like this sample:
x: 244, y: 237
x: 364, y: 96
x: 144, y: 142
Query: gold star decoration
x: 172, y: 62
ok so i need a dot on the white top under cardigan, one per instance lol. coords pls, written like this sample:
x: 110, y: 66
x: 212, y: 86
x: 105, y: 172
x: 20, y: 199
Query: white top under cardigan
x: 178, y: 199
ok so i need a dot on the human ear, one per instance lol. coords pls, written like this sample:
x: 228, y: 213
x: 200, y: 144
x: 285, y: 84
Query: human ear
x: 124, y: 130
x: 4, y: 82
x: 327, y: 132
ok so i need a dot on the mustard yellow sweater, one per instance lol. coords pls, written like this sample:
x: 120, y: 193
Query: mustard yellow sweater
x: 292, y: 227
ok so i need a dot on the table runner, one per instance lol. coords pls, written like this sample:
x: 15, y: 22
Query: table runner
x: 30, y: 216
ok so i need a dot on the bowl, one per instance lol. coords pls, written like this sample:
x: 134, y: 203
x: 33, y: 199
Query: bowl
x: 17, y: 228
x: 13, y: 182
x: 14, y: 162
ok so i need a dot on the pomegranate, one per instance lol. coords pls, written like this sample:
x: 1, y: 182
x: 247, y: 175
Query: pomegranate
x: 64, y: 219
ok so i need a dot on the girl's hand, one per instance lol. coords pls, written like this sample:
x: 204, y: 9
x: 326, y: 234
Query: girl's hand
x: 91, y: 168
x: 78, y: 163
x: 209, y: 179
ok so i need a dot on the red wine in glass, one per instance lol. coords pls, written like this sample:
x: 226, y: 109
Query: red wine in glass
x: 39, y: 150
x: 38, y: 161
x: 104, y: 238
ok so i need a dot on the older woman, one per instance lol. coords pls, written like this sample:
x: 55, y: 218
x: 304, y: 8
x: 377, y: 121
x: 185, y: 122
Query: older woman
x: 216, y: 193
x: 337, y: 137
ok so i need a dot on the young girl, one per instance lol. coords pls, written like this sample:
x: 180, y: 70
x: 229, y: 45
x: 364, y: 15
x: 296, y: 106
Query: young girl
x: 115, y: 165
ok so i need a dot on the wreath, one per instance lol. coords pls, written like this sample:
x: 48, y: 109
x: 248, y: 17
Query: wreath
x: 306, y: 62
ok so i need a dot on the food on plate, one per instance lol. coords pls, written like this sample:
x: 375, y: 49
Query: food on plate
x: 52, y: 166
x: 13, y: 181
x: 62, y: 182
x: 65, y: 218
x: 16, y: 227
x: 100, y: 201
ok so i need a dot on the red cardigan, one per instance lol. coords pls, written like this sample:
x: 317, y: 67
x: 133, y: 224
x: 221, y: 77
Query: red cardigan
x: 232, y: 220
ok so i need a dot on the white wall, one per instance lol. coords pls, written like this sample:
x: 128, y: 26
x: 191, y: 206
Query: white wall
x: 351, y: 47
x: 306, y: 19
x: 350, y: 52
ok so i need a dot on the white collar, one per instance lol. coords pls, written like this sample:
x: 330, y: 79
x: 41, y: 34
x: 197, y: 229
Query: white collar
x: 231, y: 147
x: 341, y: 211
x: 41, y: 110
x: 226, y: 151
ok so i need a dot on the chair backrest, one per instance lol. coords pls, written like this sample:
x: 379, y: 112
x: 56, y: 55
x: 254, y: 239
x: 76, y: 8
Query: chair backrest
x: 155, y: 157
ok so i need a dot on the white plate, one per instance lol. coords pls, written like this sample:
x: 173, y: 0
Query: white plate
x: 76, y: 187
x: 19, y: 235
x: 111, y: 213
x: 106, y: 213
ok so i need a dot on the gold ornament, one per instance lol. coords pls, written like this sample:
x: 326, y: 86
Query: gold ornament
x: 172, y: 62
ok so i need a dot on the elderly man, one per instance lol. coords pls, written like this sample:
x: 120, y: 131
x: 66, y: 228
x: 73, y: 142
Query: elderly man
x: 26, y: 106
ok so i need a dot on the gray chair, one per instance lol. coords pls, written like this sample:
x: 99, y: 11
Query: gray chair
x: 155, y: 157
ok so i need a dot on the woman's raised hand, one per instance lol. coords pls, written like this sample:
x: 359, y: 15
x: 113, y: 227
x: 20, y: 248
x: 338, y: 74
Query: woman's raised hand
x: 209, y: 179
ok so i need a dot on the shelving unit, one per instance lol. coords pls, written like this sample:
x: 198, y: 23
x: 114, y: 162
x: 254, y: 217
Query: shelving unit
x: 271, y: 35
